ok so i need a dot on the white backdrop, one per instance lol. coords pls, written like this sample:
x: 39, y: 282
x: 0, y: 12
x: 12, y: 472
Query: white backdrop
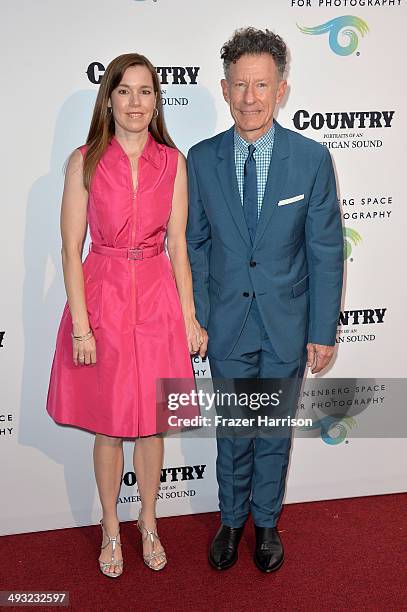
x: 47, y: 48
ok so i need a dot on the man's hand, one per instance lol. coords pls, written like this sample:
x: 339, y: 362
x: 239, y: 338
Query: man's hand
x: 319, y: 356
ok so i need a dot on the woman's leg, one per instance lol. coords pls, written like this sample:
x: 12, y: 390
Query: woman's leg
x: 108, y: 462
x: 148, y: 461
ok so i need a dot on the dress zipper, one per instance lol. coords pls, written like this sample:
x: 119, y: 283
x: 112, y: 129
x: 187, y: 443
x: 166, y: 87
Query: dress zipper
x: 133, y: 238
x: 133, y: 269
x: 133, y: 246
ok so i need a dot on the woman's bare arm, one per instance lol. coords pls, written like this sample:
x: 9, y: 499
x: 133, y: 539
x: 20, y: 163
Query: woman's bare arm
x: 73, y: 231
x: 177, y: 249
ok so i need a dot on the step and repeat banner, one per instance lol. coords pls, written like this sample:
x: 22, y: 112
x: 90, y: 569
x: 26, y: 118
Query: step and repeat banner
x: 346, y: 87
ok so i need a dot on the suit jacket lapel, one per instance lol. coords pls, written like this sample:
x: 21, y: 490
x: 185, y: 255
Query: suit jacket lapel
x: 276, y: 179
x: 227, y: 176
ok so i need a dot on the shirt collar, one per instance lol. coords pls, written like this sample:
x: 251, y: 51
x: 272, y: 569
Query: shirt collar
x: 263, y: 143
x: 151, y: 151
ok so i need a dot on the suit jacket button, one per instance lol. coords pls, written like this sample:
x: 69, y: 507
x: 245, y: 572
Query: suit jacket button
x: 253, y: 264
x: 246, y: 294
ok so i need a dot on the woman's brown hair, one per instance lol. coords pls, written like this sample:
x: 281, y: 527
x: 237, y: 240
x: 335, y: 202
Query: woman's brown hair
x: 102, y: 125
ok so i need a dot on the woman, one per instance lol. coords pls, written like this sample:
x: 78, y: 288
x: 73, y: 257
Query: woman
x: 124, y: 324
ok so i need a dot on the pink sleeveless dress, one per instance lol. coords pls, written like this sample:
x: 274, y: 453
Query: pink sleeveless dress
x: 132, y: 302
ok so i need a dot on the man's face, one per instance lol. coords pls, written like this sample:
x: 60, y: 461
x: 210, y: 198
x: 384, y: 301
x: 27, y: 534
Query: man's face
x: 252, y: 90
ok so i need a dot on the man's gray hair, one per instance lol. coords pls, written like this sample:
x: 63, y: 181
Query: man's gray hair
x: 250, y: 41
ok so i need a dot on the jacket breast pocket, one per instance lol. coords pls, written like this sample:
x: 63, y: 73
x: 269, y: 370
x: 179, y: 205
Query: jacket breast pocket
x: 287, y: 201
x: 301, y: 286
x: 93, y: 298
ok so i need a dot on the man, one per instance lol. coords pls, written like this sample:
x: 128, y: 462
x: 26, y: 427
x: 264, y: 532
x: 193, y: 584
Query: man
x: 266, y: 251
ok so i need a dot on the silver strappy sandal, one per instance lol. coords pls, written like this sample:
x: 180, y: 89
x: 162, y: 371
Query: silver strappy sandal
x: 151, y: 557
x: 105, y: 565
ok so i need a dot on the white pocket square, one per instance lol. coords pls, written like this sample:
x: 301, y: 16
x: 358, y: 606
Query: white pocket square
x: 291, y: 200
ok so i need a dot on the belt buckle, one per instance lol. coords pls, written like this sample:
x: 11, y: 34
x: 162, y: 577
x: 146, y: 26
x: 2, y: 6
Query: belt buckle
x: 134, y: 254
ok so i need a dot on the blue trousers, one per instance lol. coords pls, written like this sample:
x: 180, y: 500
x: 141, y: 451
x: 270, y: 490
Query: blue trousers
x: 251, y: 471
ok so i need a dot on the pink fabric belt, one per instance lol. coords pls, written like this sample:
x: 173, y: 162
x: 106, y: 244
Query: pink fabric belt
x: 127, y: 253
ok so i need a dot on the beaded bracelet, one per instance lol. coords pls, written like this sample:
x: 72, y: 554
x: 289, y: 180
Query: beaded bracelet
x: 86, y: 336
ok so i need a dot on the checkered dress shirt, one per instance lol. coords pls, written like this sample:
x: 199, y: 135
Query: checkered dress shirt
x: 262, y: 155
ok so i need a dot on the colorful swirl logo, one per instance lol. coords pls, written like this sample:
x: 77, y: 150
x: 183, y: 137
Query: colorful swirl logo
x: 334, y: 430
x: 351, y: 238
x: 337, y: 27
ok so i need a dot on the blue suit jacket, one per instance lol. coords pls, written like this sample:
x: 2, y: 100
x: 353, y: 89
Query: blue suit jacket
x: 298, y: 248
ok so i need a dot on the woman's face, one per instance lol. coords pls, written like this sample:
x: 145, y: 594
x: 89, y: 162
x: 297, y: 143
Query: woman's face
x: 133, y: 100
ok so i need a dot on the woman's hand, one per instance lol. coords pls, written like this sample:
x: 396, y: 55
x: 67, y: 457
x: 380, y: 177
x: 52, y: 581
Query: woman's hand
x: 84, y: 351
x: 197, y: 336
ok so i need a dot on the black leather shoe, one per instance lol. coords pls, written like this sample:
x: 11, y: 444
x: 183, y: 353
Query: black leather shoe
x: 223, y: 550
x: 269, y: 551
